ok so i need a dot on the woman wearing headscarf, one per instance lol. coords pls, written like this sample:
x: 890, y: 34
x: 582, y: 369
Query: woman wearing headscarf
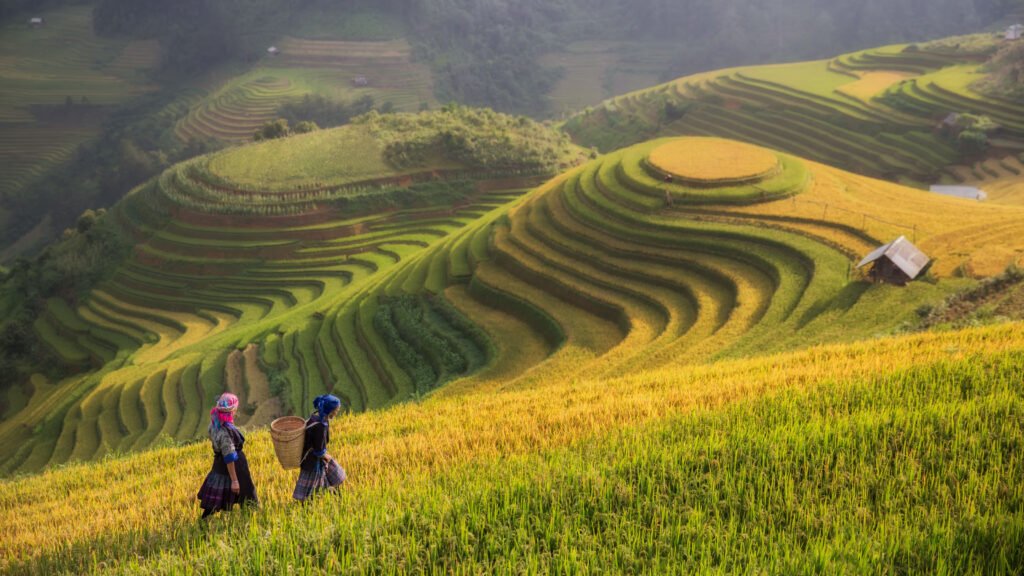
x: 229, y: 481
x: 320, y: 471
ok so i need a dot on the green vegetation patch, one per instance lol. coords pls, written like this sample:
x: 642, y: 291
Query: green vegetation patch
x: 813, y: 77
x: 329, y: 157
x: 477, y: 138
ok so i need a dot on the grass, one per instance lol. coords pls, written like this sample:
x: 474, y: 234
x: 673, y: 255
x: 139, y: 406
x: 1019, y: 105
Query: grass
x: 819, y: 458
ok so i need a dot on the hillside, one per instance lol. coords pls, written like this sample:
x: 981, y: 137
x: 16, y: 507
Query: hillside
x: 218, y: 83
x: 60, y: 83
x: 894, y: 454
x: 273, y: 271
x: 234, y: 108
x: 877, y: 112
x: 285, y: 245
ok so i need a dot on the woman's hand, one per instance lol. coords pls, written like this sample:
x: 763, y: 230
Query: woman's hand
x: 234, y: 477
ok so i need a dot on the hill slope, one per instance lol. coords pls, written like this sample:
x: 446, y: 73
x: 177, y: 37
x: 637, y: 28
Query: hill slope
x: 282, y: 289
x: 874, y: 112
x: 845, y: 458
x: 223, y: 258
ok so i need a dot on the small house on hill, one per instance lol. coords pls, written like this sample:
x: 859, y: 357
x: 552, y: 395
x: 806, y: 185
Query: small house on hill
x: 968, y: 192
x: 360, y: 81
x: 37, y: 21
x: 273, y: 51
x: 1015, y: 32
x: 898, y: 262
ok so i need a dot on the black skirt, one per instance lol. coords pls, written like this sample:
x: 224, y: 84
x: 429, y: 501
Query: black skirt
x: 215, y: 493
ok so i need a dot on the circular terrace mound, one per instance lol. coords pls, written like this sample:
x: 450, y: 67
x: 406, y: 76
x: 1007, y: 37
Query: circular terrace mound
x: 713, y: 162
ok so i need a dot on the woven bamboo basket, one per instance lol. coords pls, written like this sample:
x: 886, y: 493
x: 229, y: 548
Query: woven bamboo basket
x: 288, y: 435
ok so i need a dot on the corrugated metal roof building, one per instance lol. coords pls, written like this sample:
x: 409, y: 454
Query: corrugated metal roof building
x: 898, y: 262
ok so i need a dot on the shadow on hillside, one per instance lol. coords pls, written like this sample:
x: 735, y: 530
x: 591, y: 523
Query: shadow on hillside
x: 842, y: 302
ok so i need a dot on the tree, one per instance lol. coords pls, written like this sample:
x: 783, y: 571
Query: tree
x: 972, y: 142
x: 305, y: 127
x: 272, y: 130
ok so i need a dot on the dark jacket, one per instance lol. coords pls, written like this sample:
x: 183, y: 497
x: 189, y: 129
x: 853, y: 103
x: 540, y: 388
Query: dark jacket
x: 314, y: 447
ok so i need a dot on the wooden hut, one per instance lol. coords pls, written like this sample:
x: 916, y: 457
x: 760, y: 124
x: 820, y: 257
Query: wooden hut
x: 37, y: 21
x: 1015, y: 32
x: 898, y: 262
x: 273, y: 50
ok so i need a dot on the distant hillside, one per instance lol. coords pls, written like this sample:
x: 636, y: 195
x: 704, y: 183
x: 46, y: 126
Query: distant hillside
x: 218, y: 82
x: 879, y: 112
x: 60, y: 83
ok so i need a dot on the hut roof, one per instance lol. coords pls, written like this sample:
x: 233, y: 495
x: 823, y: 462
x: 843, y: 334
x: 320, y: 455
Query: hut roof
x: 903, y: 254
x: 969, y: 192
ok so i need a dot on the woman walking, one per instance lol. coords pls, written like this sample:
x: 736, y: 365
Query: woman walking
x: 229, y: 481
x: 320, y: 471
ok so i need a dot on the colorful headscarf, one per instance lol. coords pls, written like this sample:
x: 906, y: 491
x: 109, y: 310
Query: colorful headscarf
x: 223, y: 411
x: 325, y: 405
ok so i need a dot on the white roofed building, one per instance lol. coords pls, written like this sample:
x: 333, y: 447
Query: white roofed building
x: 968, y: 192
x: 898, y: 262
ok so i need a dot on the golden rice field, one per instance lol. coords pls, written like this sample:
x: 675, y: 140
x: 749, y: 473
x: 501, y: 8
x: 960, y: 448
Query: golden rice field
x: 400, y: 452
x: 958, y: 234
x: 713, y: 160
x: 605, y: 369
x: 870, y: 84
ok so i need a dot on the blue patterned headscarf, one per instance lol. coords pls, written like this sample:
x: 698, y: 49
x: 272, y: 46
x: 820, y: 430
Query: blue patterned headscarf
x: 325, y: 405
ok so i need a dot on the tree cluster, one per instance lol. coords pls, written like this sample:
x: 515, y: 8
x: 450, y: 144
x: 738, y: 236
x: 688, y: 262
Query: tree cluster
x: 476, y: 137
x: 328, y: 113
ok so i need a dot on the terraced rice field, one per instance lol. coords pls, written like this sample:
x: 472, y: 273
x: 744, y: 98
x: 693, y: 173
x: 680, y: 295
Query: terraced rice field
x: 598, y: 407
x: 316, y: 298
x: 28, y: 149
x: 234, y: 110
x: 871, y: 112
x: 606, y: 269
x: 595, y: 70
x: 41, y: 68
x: 1002, y: 179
